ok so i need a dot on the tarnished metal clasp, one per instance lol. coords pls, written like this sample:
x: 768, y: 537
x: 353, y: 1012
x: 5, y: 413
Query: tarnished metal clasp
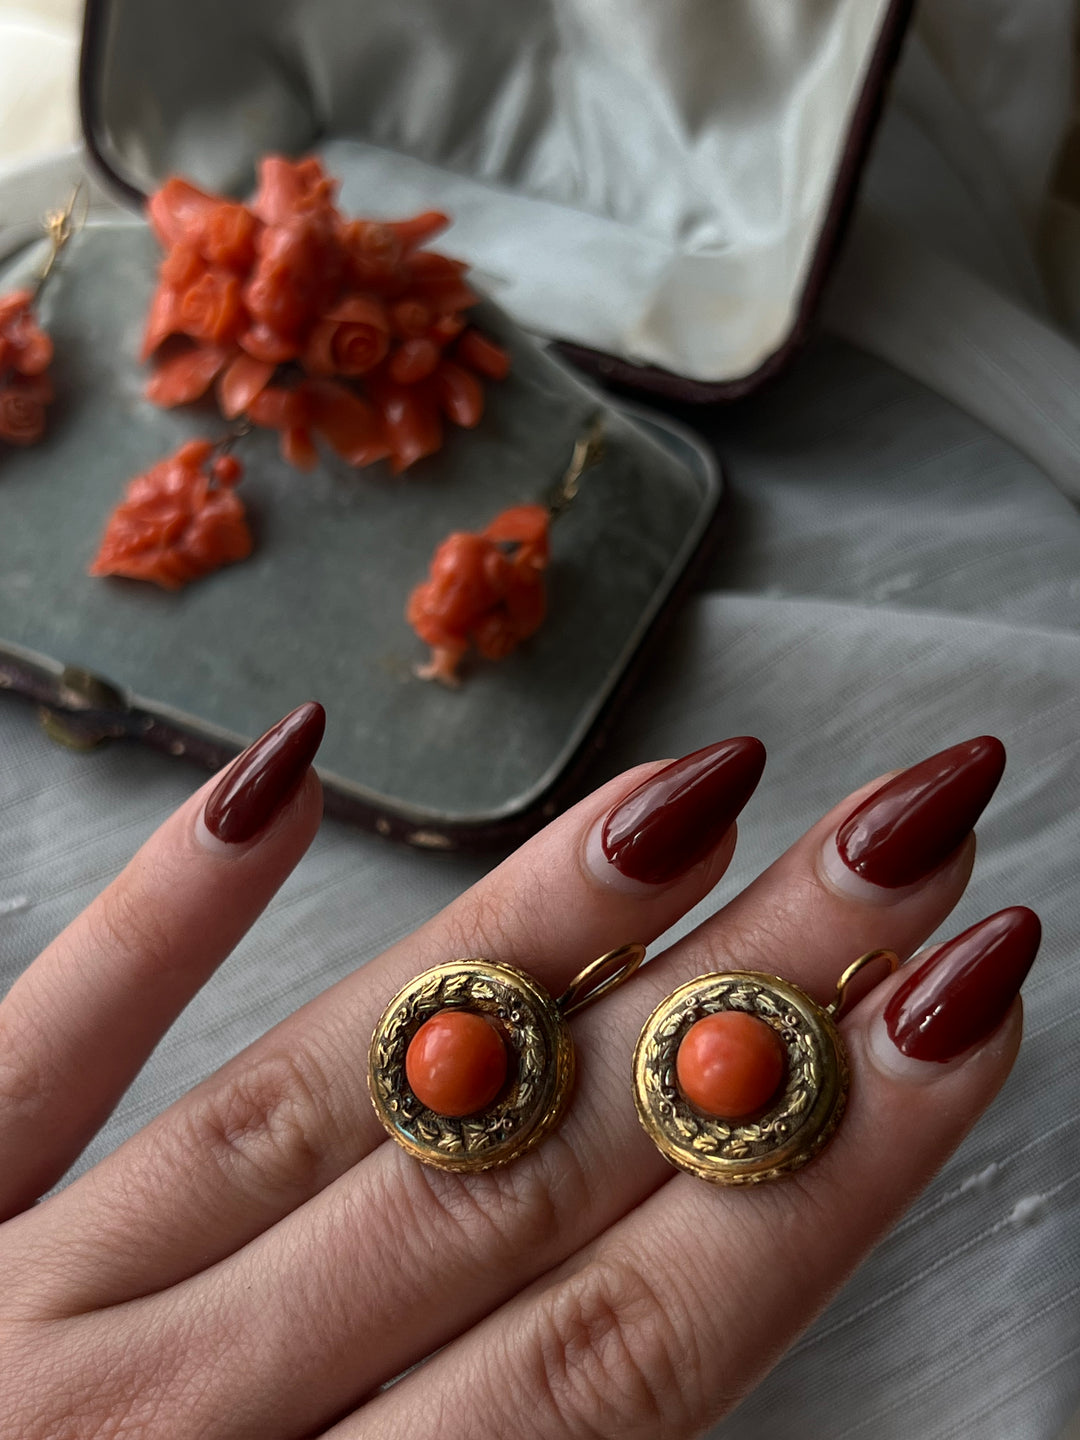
x: 600, y: 977
x: 87, y: 713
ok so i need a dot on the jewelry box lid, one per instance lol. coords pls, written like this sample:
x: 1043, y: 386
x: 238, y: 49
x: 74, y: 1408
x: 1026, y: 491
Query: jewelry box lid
x: 661, y: 189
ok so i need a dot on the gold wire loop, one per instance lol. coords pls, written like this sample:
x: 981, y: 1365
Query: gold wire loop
x: 871, y: 957
x: 588, y: 451
x: 614, y: 969
x: 60, y: 226
x: 240, y: 431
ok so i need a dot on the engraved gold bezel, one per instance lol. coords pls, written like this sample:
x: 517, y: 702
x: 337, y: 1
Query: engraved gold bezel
x: 800, y: 1119
x: 539, y: 1050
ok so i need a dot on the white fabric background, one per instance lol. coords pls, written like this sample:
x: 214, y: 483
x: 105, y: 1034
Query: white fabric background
x: 894, y: 577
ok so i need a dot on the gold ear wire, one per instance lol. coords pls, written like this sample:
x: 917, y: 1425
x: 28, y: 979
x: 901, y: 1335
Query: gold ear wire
x: 60, y: 226
x: 888, y: 957
x: 588, y: 451
x: 601, y: 977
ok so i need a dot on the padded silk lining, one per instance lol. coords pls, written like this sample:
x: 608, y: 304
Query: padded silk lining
x: 647, y: 179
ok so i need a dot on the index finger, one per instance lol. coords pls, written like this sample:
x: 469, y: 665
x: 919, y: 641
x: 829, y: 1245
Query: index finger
x: 78, y: 1024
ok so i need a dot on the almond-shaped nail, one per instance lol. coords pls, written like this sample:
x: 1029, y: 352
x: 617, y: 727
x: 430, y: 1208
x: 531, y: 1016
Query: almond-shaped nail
x: 962, y: 993
x: 261, y: 782
x: 676, y: 817
x: 909, y: 827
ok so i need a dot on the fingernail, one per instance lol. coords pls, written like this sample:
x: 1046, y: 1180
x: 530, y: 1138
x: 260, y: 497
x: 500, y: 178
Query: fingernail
x: 911, y: 826
x: 672, y: 821
x: 962, y: 993
x: 262, y: 781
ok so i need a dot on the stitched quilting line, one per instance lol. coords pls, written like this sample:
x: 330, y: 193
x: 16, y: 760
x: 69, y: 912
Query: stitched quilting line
x: 961, y: 1361
x: 964, y: 1426
x: 920, y: 1214
x: 843, y: 1322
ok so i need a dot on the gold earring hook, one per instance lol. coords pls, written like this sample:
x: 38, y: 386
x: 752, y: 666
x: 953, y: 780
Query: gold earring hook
x: 588, y: 451
x: 870, y: 958
x: 60, y: 226
x: 600, y: 978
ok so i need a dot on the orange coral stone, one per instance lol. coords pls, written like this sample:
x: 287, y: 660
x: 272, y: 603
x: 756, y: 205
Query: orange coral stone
x: 456, y: 1063
x: 730, y: 1065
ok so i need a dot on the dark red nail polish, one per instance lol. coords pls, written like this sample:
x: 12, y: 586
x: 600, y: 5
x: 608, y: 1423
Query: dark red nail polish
x: 677, y: 816
x: 263, y: 780
x: 963, y: 992
x: 916, y: 820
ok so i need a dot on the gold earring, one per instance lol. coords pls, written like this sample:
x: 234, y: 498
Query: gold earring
x: 26, y: 349
x: 742, y: 1077
x: 472, y: 1062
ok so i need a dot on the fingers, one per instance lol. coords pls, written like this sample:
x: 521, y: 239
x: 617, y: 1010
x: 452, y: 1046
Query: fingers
x: 79, y: 1023
x: 909, y: 838
x: 662, y: 1325
x: 496, y: 1232
x: 291, y: 1114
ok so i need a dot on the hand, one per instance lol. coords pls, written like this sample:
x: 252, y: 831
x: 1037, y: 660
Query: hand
x: 261, y: 1259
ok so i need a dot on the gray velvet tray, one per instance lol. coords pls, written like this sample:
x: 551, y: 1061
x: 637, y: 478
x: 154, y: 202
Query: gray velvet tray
x: 318, y: 610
